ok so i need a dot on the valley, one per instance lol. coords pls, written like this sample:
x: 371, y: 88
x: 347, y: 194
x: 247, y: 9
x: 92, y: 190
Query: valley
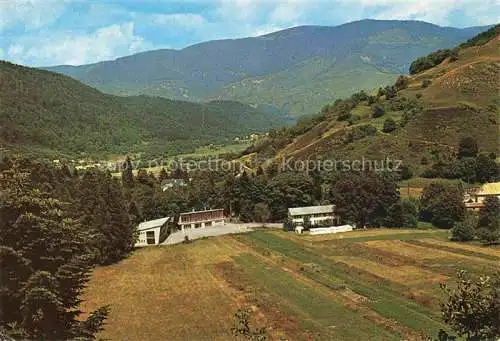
x: 312, y: 183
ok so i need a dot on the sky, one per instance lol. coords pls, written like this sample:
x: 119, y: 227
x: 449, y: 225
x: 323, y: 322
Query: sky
x: 75, y: 32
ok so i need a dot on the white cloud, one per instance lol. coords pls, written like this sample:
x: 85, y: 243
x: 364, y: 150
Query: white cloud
x: 185, y: 20
x: 288, y: 12
x: 262, y: 30
x: 39, y: 34
x: 75, y: 49
x: 437, y: 12
x: 238, y: 9
x: 31, y: 14
x: 15, y: 50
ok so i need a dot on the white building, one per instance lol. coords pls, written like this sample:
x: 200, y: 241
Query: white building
x: 474, y: 198
x: 333, y: 229
x: 149, y: 231
x: 316, y: 215
x: 201, y: 219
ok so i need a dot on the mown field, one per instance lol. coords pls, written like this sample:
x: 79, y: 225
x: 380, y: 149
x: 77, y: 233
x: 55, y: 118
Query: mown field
x: 366, y: 285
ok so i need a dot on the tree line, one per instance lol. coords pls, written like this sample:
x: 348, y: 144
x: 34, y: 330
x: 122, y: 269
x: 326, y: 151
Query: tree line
x: 361, y: 198
x: 56, y: 224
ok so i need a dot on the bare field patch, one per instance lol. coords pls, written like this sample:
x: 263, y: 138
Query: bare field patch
x: 361, y: 233
x: 486, y: 250
x: 166, y: 293
x: 298, y: 286
x: 406, y: 274
x: 420, y: 252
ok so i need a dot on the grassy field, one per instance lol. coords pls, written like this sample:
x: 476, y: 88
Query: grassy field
x: 363, y: 285
x: 201, y: 153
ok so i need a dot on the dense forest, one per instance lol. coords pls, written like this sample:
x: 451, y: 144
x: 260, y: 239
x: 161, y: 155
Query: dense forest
x: 45, y: 111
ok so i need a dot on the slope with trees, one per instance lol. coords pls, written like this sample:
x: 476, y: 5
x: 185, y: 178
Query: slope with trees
x: 426, y: 116
x: 43, y: 110
x: 55, y: 226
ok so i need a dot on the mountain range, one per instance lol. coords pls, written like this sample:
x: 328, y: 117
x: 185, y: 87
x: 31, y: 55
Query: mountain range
x: 295, y: 70
x: 418, y: 120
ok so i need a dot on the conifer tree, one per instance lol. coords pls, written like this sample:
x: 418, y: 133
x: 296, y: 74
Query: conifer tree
x: 127, y: 174
x: 45, y: 259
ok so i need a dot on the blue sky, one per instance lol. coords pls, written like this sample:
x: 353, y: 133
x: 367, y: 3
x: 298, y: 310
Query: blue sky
x: 51, y: 32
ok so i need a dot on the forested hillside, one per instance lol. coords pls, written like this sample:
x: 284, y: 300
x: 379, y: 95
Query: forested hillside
x: 295, y: 69
x: 52, y: 112
x: 422, y: 119
x: 55, y: 226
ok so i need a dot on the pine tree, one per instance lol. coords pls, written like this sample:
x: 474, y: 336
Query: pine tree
x: 163, y: 175
x: 127, y: 173
x: 104, y: 212
x: 44, y: 257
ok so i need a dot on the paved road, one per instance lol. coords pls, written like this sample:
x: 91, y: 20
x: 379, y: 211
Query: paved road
x: 228, y: 228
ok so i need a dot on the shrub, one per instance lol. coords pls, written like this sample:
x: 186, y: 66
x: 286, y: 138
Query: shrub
x: 429, y: 61
x: 401, y: 82
x: 489, y: 221
x: 425, y: 83
x: 353, y: 119
x: 242, y: 329
x: 405, y: 173
x: 359, y: 96
x: 360, y: 132
x: 472, y: 308
x: 409, y: 115
x: 343, y: 108
x: 486, y: 169
x: 467, y: 147
x: 377, y: 111
x: 442, y: 205
x: 464, y: 231
x: 454, y: 55
x: 402, y: 214
x: 390, y: 92
x: 389, y: 125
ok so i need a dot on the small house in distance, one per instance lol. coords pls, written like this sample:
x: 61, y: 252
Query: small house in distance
x: 171, y: 183
x: 474, y: 198
x: 149, y: 231
x: 313, y: 216
x: 201, y: 219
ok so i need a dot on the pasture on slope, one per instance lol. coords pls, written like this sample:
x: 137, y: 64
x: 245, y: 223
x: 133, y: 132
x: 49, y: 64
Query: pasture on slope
x: 362, y: 285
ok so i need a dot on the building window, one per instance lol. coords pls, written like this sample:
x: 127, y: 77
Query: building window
x: 150, y: 236
x: 197, y: 225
